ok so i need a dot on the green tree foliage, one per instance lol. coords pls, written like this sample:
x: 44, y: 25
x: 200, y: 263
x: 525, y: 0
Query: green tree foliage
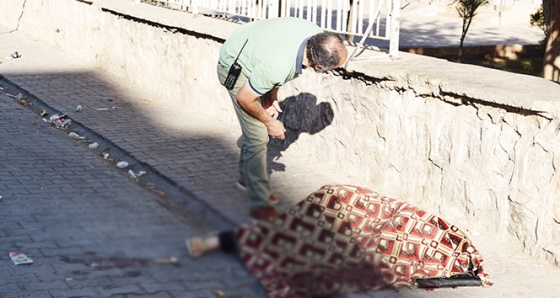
x: 537, y: 19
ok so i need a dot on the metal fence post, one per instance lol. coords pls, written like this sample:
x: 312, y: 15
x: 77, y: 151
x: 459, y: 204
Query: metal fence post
x: 395, y: 28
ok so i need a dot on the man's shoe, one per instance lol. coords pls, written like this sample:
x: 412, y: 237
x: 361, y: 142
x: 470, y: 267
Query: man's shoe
x: 263, y: 213
x: 272, y: 199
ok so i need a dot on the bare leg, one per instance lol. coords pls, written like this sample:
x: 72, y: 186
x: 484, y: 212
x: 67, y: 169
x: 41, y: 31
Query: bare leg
x: 198, y: 246
x: 226, y: 241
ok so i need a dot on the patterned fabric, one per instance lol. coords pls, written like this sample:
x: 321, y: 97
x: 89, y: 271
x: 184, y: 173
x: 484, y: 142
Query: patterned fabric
x: 348, y: 239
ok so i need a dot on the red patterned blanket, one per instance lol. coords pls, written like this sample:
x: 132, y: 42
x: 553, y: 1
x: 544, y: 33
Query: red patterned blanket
x: 348, y: 239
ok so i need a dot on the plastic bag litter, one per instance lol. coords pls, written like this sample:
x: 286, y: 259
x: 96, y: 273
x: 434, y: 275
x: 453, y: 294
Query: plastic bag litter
x: 136, y: 175
x: 59, y: 121
x: 93, y: 145
x: 122, y: 164
x: 74, y: 135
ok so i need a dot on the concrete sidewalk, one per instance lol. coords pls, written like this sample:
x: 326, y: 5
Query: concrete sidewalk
x: 443, y: 29
x: 90, y: 230
x: 197, y: 155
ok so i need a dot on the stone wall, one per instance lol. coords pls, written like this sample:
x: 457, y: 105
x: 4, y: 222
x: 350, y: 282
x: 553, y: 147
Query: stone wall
x: 475, y: 144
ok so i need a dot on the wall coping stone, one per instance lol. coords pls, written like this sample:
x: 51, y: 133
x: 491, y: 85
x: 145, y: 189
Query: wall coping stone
x: 440, y: 78
x: 198, y: 24
x: 428, y: 76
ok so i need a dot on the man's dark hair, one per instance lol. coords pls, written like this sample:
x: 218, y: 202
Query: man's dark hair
x: 324, y: 49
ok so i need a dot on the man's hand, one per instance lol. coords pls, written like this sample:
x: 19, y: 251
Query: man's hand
x: 270, y: 103
x: 248, y: 99
x: 274, y: 110
x: 276, y: 129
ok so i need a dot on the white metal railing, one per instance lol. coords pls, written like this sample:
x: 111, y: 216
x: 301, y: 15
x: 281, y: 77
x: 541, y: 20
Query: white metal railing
x: 377, y: 19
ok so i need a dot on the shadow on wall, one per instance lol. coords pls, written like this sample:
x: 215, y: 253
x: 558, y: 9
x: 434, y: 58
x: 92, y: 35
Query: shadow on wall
x: 301, y: 114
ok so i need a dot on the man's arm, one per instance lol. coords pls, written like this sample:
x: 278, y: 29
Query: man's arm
x: 270, y: 103
x: 247, y: 98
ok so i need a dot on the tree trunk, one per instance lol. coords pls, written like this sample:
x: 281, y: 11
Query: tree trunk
x: 551, y: 63
x: 460, y: 52
x: 466, y: 25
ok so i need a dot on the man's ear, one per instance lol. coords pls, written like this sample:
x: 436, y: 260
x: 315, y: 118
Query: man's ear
x: 318, y: 67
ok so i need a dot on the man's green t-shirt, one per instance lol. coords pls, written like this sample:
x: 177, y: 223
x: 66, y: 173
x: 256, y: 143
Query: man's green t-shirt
x: 269, y: 59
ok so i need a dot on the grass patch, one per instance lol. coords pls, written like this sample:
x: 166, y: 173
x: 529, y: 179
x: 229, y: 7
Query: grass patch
x: 529, y: 66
